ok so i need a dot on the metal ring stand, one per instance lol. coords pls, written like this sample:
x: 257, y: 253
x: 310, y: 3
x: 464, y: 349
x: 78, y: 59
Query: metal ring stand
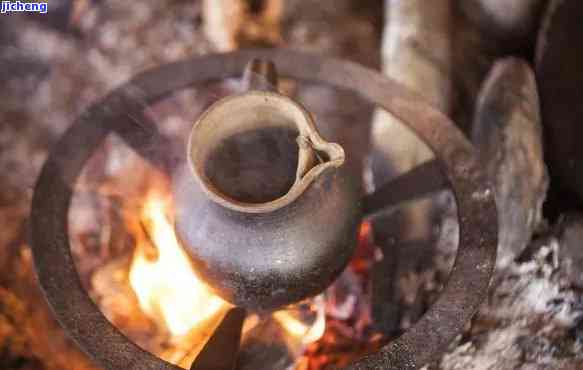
x: 469, y: 278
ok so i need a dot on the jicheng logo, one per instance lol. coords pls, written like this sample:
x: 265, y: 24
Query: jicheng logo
x: 19, y: 6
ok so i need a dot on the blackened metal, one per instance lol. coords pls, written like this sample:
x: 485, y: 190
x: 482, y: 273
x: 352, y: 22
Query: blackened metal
x: 220, y: 352
x: 469, y: 279
x: 281, y: 257
x: 260, y: 75
x: 560, y: 80
x: 414, y: 184
x: 141, y: 134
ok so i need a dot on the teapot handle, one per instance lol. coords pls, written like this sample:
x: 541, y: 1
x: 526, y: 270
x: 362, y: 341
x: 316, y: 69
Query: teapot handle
x: 260, y: 74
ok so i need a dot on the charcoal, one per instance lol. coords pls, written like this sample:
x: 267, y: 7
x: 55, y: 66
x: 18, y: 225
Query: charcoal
x: 508, y: 134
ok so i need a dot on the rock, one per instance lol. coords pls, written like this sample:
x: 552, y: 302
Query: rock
x: 508, y: 134
x: 560, y: 77
x: 571, y: 248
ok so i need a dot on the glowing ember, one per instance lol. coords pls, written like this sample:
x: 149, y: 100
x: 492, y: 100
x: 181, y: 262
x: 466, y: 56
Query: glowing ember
x: 297, y: 328
x: 166, y: 286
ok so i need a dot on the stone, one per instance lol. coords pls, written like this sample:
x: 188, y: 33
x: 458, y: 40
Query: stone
x: 508, y: 134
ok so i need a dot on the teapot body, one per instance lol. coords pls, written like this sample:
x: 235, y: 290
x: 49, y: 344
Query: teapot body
x: 267, y: 260
x: 265, y: 207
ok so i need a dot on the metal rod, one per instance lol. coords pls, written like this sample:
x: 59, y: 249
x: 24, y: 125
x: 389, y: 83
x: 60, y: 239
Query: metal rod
x: 260, y: 74
x: 221, y: 350
x: 418, y: 182
x: 141, y: 134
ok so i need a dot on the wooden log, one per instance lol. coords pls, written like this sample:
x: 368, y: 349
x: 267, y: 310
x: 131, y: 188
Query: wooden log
x: 416, y: 51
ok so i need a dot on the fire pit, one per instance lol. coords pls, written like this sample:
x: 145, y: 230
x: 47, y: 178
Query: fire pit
x: 465, y: 289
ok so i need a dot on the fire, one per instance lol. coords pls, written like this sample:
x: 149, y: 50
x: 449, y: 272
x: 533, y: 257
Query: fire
x: 169, y: 291
x: 166, y: 286
x: 295, y: 327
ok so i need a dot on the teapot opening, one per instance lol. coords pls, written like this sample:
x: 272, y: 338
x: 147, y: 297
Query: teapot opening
x: 254, y: 166
x: 258, y: 151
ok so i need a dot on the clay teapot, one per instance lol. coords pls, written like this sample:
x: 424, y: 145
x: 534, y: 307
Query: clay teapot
x: 264, y: 206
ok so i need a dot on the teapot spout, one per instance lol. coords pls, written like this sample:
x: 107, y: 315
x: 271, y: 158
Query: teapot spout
x: 316, y: 155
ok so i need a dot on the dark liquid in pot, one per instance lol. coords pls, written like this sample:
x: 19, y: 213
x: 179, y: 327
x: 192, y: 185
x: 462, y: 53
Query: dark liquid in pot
x: 256, y: 166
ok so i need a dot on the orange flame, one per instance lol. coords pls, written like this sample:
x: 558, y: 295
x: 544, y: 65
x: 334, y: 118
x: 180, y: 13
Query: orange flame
x: 167, y: 287
x: 170, y: 292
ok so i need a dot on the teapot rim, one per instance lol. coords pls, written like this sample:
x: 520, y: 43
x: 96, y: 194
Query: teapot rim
x: 309, y: 140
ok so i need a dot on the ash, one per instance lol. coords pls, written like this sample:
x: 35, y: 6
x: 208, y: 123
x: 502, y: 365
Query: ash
x: 532, y: 319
